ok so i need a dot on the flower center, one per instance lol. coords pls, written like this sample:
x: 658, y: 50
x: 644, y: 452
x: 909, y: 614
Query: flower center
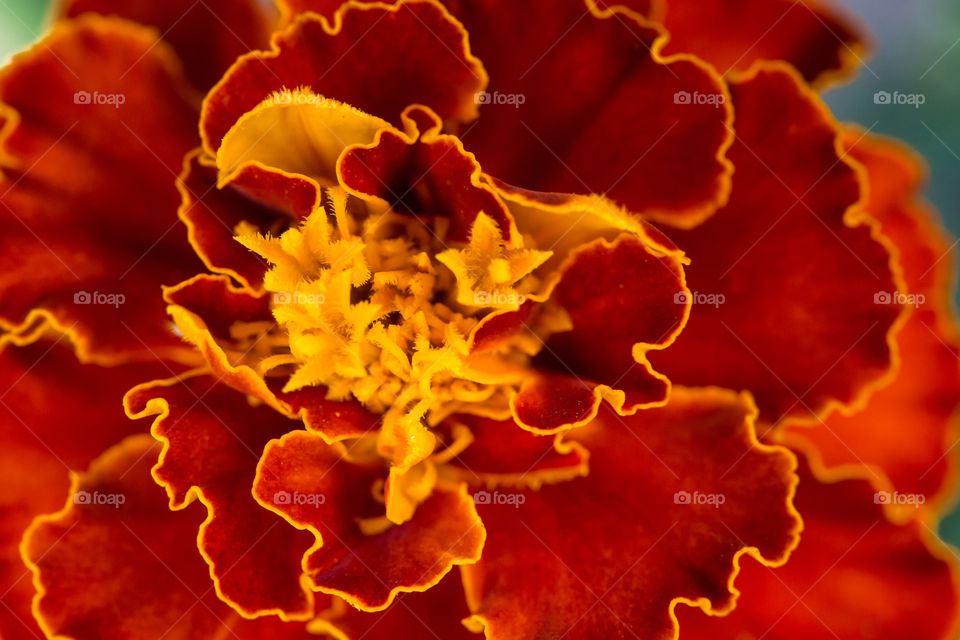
x: 376, y: 306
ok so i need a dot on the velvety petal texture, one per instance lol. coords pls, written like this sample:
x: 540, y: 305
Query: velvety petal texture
x: 783, y: 279
x: 666, y: 160
x: 436, y: 68
x: 213, y: 439
x: 97, y: 118
x: 674, y: 497
x: 854, y: 576
x: 907, y: 430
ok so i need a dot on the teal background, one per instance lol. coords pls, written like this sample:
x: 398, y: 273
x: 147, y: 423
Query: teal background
x: 916, y: 50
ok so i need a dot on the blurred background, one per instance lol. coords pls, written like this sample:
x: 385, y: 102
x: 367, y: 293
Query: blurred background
x: 916, y: 50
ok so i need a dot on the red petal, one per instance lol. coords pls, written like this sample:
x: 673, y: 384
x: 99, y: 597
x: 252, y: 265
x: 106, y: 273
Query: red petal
x: 854, y: 576
x: 326, y: 8
x: 625, y: 299
x: 501, y: 454
x: 212, y: 214
x: 55, y: 415
x: 219, y: 303
x: 784, y: 277
x: 612, y: 553
x: 434, y: 614
x: 130, y: 570
x: 208, y: 35
x: 366, y: 570
x: 89, y: 198
x: 377, y: 58
x: 820, y: 43
x: 582, y: 75
x: 424, y: 174
x: 926, y: 392
x: 213, y: 439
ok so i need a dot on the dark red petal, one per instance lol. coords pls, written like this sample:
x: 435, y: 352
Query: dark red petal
x: 549, y: 403
x: 208, y: 35
x: 213, y: 440
x: 55, y: 415
x: 784, y: 278
x: 367, y: 570
x: 130, y: 570
x: 88, y: 205
x: 375, y: 57
x: 582, y: 75
x: 854, y: 576
x: 610, y: 555
x: 625, y: 299
x: 924, y: 398
x: 424, y: 174
x: 822, y: 44
x: 434, y: 614
x: 219, y: 303
x: 211, y: 216
x: 501, y: 454
x: 330, y: 419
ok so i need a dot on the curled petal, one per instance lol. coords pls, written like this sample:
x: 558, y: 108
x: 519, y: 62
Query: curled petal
x: 219, y: 303
x: 816, y: 39
x: 598, y: 557
x: 925, y: 395
x: 500, y: 454
x: 424, y: 174
x: 208, y: 35
x: 368, y: 569
x: 784, y: 279
x: 114, y: 562
x: 435, y: 69
x: 623, y: 300
x: 212, y: 440
x: 97, y: 118
x: 56, y: 414
x: 435, y: 613
x: 212, y: 214
x: 561, y: 110
x: 854, y: 576
x: 289, y: 9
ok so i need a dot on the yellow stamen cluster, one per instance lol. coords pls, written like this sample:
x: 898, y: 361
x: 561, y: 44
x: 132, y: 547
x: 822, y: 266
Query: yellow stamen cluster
x: 377, y: 307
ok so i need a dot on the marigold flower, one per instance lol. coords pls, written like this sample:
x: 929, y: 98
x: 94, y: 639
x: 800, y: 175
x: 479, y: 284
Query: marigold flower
x: 553, y: 319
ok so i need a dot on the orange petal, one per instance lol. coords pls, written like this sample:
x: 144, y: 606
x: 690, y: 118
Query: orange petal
x: 88, y: 231
x: 624, y: 299
x: 783, y: 278
x: 674, y: 497
x: 500, y: 454
x: 115, y: 563
x: 357, y: 59
x: 208, y: 35
x: 821, y: 43
x: 307, y: 481
x: 424, y: 174
x: 55, y: 415
x: 289, y: 9
x: 854, y: 576
x: 433, y: 614
x: 925, y: 396
x: 213, y: 439
x: 562, y: 114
